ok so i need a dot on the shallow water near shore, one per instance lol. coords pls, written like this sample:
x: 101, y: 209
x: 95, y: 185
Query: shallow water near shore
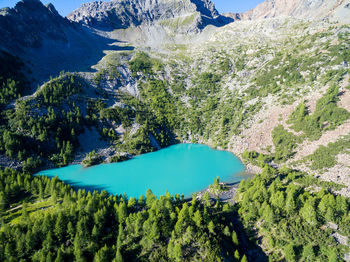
x: 180, y: 169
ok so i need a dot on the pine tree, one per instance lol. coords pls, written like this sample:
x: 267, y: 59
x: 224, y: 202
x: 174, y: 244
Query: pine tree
x: 49, y: 257
x: 244, y: 259
x: 121, y: 236
x: 25, y: 214
x: 141, y: 201
x: 150, y: 198
x: 59, y: 257
x: 118, y: 256
x: 60, y: 227
x: 308, y: 253
x: 235, y: 239
x: 308, y: 213
x: 70, y: 230
x: 178, y: 256
x: 102, y: 255
x: 211, y: 227
x: 78, y: 252
x: 131, y: 202
x: 226, y: 231
x: 290, y: 253
x: 332, y: 256
x: 10, y: 251
x: 197, y: 218
x: 3, y: 201
x: 122, y: 212
x: 48, y: 242
x: 206, y: 199
x: 237, y: 255
x: 170, y: 249
x: 154, y: 233
x: 290, y: 204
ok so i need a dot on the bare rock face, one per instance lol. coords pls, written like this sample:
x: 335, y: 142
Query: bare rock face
x: 120, y: 14
x: 332, y: 10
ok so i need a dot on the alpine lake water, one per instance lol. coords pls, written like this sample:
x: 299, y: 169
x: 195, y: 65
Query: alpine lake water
x: 179, y: 169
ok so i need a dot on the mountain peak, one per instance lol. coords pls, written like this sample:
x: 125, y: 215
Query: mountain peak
x: 52, y: 8
x: 30, y: 16
x: 118, y: 14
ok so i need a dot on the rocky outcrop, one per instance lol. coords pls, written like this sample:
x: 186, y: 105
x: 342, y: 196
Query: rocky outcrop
x: 121, y: 14
x: 332, y: 10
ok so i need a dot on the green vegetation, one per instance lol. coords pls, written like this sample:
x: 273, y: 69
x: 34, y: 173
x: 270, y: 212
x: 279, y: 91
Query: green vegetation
x: 92, y: 159
x: 109, y: 73
x: 45, y: 127
x: 293, y: 221
x: 57, y: 90
x: 281, y: 71
x: 142, y: 63
x: 203, y: 85
x: 217, y: 187
x: 325, y: 156
x: 45, y: 219
x: 255, y: 158
x: 28, y: 134
x: 285, y: 143
x: 327, y: 115
x: 12, y: 80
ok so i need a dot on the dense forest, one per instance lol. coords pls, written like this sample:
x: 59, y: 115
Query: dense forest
x: 53, y: 222
x: 298, y: 216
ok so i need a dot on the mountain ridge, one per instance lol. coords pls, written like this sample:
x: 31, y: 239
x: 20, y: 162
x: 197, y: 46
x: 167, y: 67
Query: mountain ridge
x: 332, y: 10
x: 121, y: 14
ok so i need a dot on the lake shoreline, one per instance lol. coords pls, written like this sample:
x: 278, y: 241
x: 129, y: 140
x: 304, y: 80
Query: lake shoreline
x: 182, y: 169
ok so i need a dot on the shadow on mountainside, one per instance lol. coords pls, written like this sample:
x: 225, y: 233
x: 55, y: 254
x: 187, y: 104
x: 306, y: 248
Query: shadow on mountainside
x: 78, y: 54
x: 48, y: 43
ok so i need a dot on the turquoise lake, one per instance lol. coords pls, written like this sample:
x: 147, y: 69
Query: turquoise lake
x: 182, y: 169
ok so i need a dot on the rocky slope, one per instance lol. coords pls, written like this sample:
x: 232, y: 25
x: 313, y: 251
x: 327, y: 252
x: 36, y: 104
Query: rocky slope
x: 332, y: 10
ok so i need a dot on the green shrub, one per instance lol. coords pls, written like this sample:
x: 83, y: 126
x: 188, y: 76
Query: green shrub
x: 92, y: 159
x: 285, y: 143
x: 327, y: 115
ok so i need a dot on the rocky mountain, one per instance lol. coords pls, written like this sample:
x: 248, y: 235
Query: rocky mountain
x: 29, y: 23
x: 51, y: 43
x: 121, y: 14
x: 46, y: 41
x: 332, y: 10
